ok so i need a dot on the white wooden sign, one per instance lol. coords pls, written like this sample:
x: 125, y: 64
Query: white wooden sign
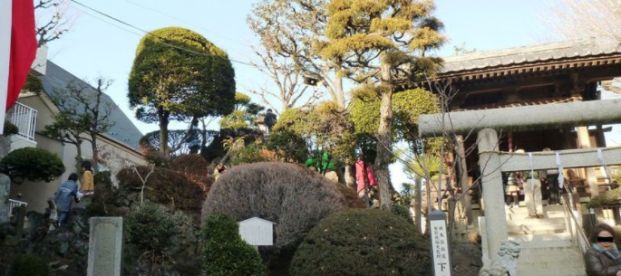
x: 257, y: 231
x: 439, y: 243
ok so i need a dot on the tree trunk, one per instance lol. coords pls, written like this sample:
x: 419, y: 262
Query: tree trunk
x: 451, y: 221
x: 78, y: 157
x: 163, y: 132
x: 340, y: 96
x: 95, y: 151
x: 418, y: 204
x: 384, y: 139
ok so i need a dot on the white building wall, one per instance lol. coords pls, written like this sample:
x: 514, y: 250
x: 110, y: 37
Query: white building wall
x: 114, y: 155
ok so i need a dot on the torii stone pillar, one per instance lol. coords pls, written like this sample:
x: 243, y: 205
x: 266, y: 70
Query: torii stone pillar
x: 493, y: 196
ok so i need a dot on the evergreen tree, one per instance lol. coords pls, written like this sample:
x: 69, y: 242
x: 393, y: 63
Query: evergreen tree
x: 179, y: 75
x: 386, y: 42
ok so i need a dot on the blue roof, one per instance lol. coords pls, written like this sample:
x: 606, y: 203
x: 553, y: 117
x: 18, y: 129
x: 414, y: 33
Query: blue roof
x: 56, y: 80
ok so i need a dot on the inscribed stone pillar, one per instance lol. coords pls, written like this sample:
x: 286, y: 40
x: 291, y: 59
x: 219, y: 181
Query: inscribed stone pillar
x: 105, y: 246
x: 491, y: 179
x: 5, y: 191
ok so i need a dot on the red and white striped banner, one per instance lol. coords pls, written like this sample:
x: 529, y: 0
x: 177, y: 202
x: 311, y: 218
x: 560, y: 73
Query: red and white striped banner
x: 18, y: 46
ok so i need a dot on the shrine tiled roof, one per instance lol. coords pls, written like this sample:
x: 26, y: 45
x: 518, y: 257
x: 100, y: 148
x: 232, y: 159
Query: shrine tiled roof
x: 525, y: 103
x: 554, y: 56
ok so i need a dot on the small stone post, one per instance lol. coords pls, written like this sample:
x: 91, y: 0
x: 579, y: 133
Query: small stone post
x: 5, y: 190
x: 105, y: 246
x: 439, y: 244
x: 491, y: 179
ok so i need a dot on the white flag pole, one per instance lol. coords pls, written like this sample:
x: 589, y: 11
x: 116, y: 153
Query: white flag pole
x: 6, y: 12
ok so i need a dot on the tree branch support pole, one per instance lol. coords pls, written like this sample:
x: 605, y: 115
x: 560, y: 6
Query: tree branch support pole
x: 489, y: 163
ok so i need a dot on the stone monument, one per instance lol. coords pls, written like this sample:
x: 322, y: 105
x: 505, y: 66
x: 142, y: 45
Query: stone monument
x: 105, y: 246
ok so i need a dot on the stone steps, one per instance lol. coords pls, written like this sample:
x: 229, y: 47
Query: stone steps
x: 563, y: 237
x: 551, y: 211
x: 557, y: 257
x: 537, y: 228
x: 519, y: 223
x: 545, y: 244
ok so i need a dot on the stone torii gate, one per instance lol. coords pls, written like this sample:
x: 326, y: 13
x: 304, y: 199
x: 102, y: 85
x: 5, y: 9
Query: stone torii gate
x: 492, y: 162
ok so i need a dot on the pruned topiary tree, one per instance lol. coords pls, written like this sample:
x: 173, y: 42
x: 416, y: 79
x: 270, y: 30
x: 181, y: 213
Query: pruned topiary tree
x: 32, y: 164
x: 225, y: 252
x: 179, y: 75
x: 289, y: 195
x: 362, y: 242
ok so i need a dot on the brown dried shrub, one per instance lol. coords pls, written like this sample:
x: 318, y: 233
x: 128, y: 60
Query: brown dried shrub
x: 351, y: 198
x: 164, y: 186
x: 193, y: 166
x: 292, y: 197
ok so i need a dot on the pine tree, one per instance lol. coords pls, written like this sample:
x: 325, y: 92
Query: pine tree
x: 387, y: 42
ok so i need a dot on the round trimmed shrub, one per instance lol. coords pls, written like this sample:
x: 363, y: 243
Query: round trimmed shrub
x: 225, y: 252
x: 292, y: 197
x: 32, y: 164
x: 10, y: 129
x: 29, y: 265
x: 362, y: 242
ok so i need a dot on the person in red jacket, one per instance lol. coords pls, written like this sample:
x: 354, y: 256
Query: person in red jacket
x: 365, y: 178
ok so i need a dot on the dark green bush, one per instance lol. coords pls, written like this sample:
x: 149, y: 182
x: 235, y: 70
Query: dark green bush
x: 33, y: 84
x: 605, y: 199
x: 159, y: 241
x: 401, y: 211
x: 103, y: 194
x: 29, y: 265
x: 10, y: 129
x: 288, y: 145
x: 32, y: 164
x: 150, y: 228
x: 248, y: 154
x: 225, y: 252
x: 362, y: 242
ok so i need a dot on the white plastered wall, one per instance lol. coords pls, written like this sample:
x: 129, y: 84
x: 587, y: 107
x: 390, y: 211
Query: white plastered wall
x: 37, y: 193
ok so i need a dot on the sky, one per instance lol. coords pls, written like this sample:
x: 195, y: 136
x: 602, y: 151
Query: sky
x: 97, y: 46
